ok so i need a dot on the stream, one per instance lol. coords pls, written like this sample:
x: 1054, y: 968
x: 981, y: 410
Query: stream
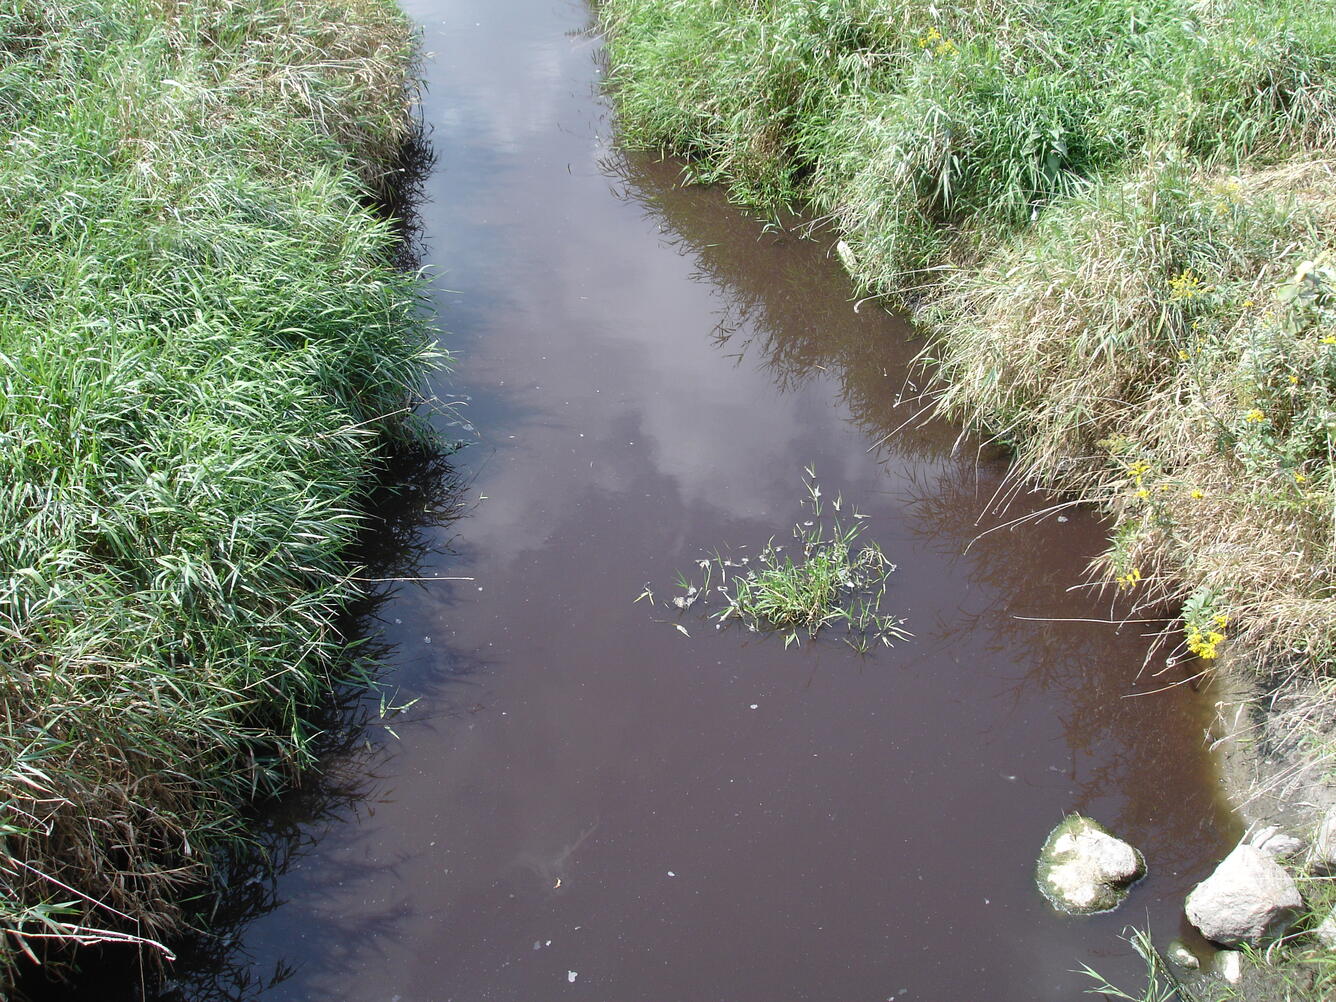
x: 579, y: 800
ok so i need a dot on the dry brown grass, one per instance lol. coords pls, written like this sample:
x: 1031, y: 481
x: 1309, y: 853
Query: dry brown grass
x: 1134, y: 351
x: 341, y: 64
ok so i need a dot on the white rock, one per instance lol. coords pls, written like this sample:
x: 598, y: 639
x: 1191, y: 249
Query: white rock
x: 847, y: 257
x: 1178, y: 952
x: 1248, y: 899
x: 1323, y: 853
x: 1326, y: 932
x: 1229, y: 965
x: 1083, y: 869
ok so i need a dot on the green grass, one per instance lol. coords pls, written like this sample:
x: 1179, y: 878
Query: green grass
x: 1162, y: 985
x: 1295, y: 968
x: 829, y: 580
x: 927, y: 130
x: 1144, y: 348
x: 1307, y: 959
x: 203, y: 352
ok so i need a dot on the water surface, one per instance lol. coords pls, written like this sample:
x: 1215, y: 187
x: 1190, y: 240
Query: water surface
x: 587, y: 803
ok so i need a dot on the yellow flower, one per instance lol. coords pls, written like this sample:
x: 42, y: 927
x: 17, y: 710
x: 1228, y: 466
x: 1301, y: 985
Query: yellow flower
x: 1254, y: 416
x: 1205, y: 643
x: 1143, y: 493
x: 1182, y: 355
x: 1301, y: 478
x: 1294, y: 380
x: 1248, y: 304
x: 1329, y: 340
x: 1129, y: 579
x: 1197, y: 492
x: 1185, y: 285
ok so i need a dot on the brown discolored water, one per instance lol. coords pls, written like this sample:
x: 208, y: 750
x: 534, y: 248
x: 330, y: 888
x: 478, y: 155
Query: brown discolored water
x: 586, y: 803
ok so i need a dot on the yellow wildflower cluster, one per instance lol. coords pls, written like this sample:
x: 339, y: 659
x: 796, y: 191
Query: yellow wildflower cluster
x: 1137, y: 471
x: 941, y: 46
x: 1205, y: 643
x: 1129, y: 579
x: 1254, y: 416
x: 1186, y: 285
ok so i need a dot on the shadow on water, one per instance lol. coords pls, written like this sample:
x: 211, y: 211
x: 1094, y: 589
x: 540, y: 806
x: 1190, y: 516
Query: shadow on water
x: 791, y: 318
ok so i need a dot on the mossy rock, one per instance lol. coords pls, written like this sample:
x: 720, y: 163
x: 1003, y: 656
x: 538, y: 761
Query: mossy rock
x: 1083, y: 870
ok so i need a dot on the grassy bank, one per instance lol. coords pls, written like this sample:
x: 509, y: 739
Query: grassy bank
x: 203, y: 351
x: 1111, y: 218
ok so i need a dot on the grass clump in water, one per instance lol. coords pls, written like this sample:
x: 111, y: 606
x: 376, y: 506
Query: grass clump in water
x: 204, y: 353
x: 832, y: 580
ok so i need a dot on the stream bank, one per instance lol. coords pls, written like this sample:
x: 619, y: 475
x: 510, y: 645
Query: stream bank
x: 207, y: 357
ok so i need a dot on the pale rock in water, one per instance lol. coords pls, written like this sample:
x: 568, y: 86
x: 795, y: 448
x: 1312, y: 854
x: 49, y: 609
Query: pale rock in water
x: 846, y: 256
x: 1083, y: 869
x: 1178, y: 952
x: 1248, y: 899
